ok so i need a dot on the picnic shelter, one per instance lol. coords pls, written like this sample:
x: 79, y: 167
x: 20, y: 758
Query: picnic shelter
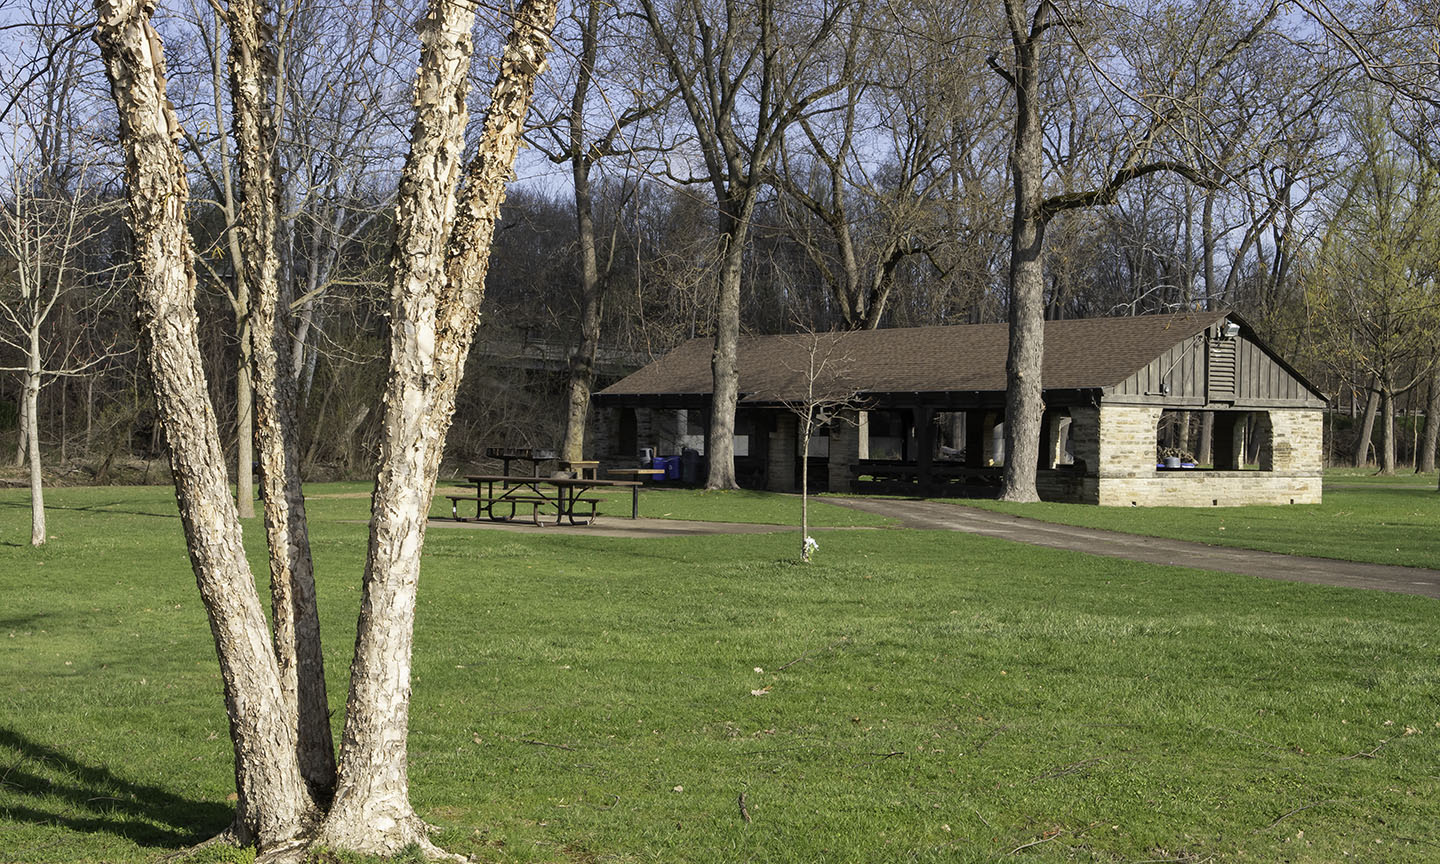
x: 923, y: 408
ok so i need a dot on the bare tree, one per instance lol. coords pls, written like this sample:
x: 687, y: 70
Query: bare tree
x: 827, y: 396
x: 745, y: 73
x: 625, y: 97
x: 437, y: 283
x: 43, y: 231
x: 1133, y: 147
x: 873, y: 180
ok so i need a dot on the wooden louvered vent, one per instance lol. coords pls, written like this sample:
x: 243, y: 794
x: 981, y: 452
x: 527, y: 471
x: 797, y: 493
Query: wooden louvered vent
x: 1222, y: 368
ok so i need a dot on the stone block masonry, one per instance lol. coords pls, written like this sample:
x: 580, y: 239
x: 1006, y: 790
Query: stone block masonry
x: 1125, y: 475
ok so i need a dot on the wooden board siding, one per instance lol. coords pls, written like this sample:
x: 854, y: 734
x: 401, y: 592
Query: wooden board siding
x: 1178, y: 373
x: 1235, y: 371
x: 1258, y: 378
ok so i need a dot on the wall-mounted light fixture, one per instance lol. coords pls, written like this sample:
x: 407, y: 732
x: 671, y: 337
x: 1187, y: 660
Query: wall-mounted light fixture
x: 1229, y: 330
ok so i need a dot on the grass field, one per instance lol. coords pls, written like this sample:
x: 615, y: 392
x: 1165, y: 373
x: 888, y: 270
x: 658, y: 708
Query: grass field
x: 1385, y: 520
x: 911, y: 696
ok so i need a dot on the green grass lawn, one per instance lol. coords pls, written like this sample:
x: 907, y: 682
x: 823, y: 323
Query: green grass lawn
x: 911, y: 696
x: 1384, y: 520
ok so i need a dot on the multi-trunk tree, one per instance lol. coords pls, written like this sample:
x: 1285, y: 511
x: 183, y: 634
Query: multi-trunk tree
x: 288, y: 797
x: 610, y: 92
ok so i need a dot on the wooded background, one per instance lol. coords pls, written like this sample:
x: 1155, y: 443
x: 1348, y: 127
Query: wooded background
x: 844, y: 163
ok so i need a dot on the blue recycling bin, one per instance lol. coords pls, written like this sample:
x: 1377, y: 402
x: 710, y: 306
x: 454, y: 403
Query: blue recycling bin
x: 671, y: 464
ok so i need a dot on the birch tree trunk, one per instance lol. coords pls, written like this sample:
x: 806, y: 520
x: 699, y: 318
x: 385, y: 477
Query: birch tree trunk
x: 441, y: 254
x: 294, y: 612
x: 273, y: 805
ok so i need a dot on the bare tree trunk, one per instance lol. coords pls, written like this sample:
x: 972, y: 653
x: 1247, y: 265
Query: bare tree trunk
x: 20, y: 428
x: 32, y: 437
x: 1023, y: 405
x: 724, y: 362
x: 273, y: 805
x: 806, y: 428
x: 1367, y: 427
x: 89, y: 415
x: 1387, y: 416
x: 1207, y: 434
x: 431, y: 332
x: 582, y: 362
x: 1426, y: 460
x: 292, y: 582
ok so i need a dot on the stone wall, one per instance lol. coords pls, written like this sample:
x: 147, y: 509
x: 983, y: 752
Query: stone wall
x: 1126, y: 475
x: 1209, y: 489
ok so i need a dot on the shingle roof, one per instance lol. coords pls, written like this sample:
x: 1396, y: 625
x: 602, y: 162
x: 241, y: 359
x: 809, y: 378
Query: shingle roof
x: 1080, y: 354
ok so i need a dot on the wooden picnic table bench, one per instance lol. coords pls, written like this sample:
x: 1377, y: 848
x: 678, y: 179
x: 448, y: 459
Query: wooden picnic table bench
x: 501, y: 497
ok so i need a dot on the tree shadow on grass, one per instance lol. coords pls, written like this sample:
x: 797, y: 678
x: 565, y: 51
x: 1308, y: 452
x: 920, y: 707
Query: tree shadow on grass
x: 48, y: 787
x: 101, y: 507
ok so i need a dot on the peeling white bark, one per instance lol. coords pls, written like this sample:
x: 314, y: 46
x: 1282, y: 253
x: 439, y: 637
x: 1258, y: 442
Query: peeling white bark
x: 437, y: 282
x: 273, y: 804
x: 292, y: 583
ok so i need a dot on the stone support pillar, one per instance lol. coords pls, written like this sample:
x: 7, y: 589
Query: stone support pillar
x: 844, y: 451
x: 1265, y: 437
x: 781, y: 454
x: 1127, y: 440
x: 1085, y: 439
x: 1297, y: 441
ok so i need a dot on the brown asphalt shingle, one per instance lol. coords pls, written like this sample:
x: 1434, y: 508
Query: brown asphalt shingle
x: 1083, y: 354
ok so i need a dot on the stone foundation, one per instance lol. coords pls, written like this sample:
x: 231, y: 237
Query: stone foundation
x: 1208, y: 489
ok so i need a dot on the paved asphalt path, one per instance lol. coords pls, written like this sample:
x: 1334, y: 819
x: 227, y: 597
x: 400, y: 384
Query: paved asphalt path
x: 1153, y: 550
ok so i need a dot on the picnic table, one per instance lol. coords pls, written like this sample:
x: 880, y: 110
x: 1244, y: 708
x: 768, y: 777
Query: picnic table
x: 506, y: 497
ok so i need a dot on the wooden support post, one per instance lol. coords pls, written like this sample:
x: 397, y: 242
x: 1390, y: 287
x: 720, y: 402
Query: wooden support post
x: 925, y: 449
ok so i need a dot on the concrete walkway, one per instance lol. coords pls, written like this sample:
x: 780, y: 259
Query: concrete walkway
x: 1152, y: 550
